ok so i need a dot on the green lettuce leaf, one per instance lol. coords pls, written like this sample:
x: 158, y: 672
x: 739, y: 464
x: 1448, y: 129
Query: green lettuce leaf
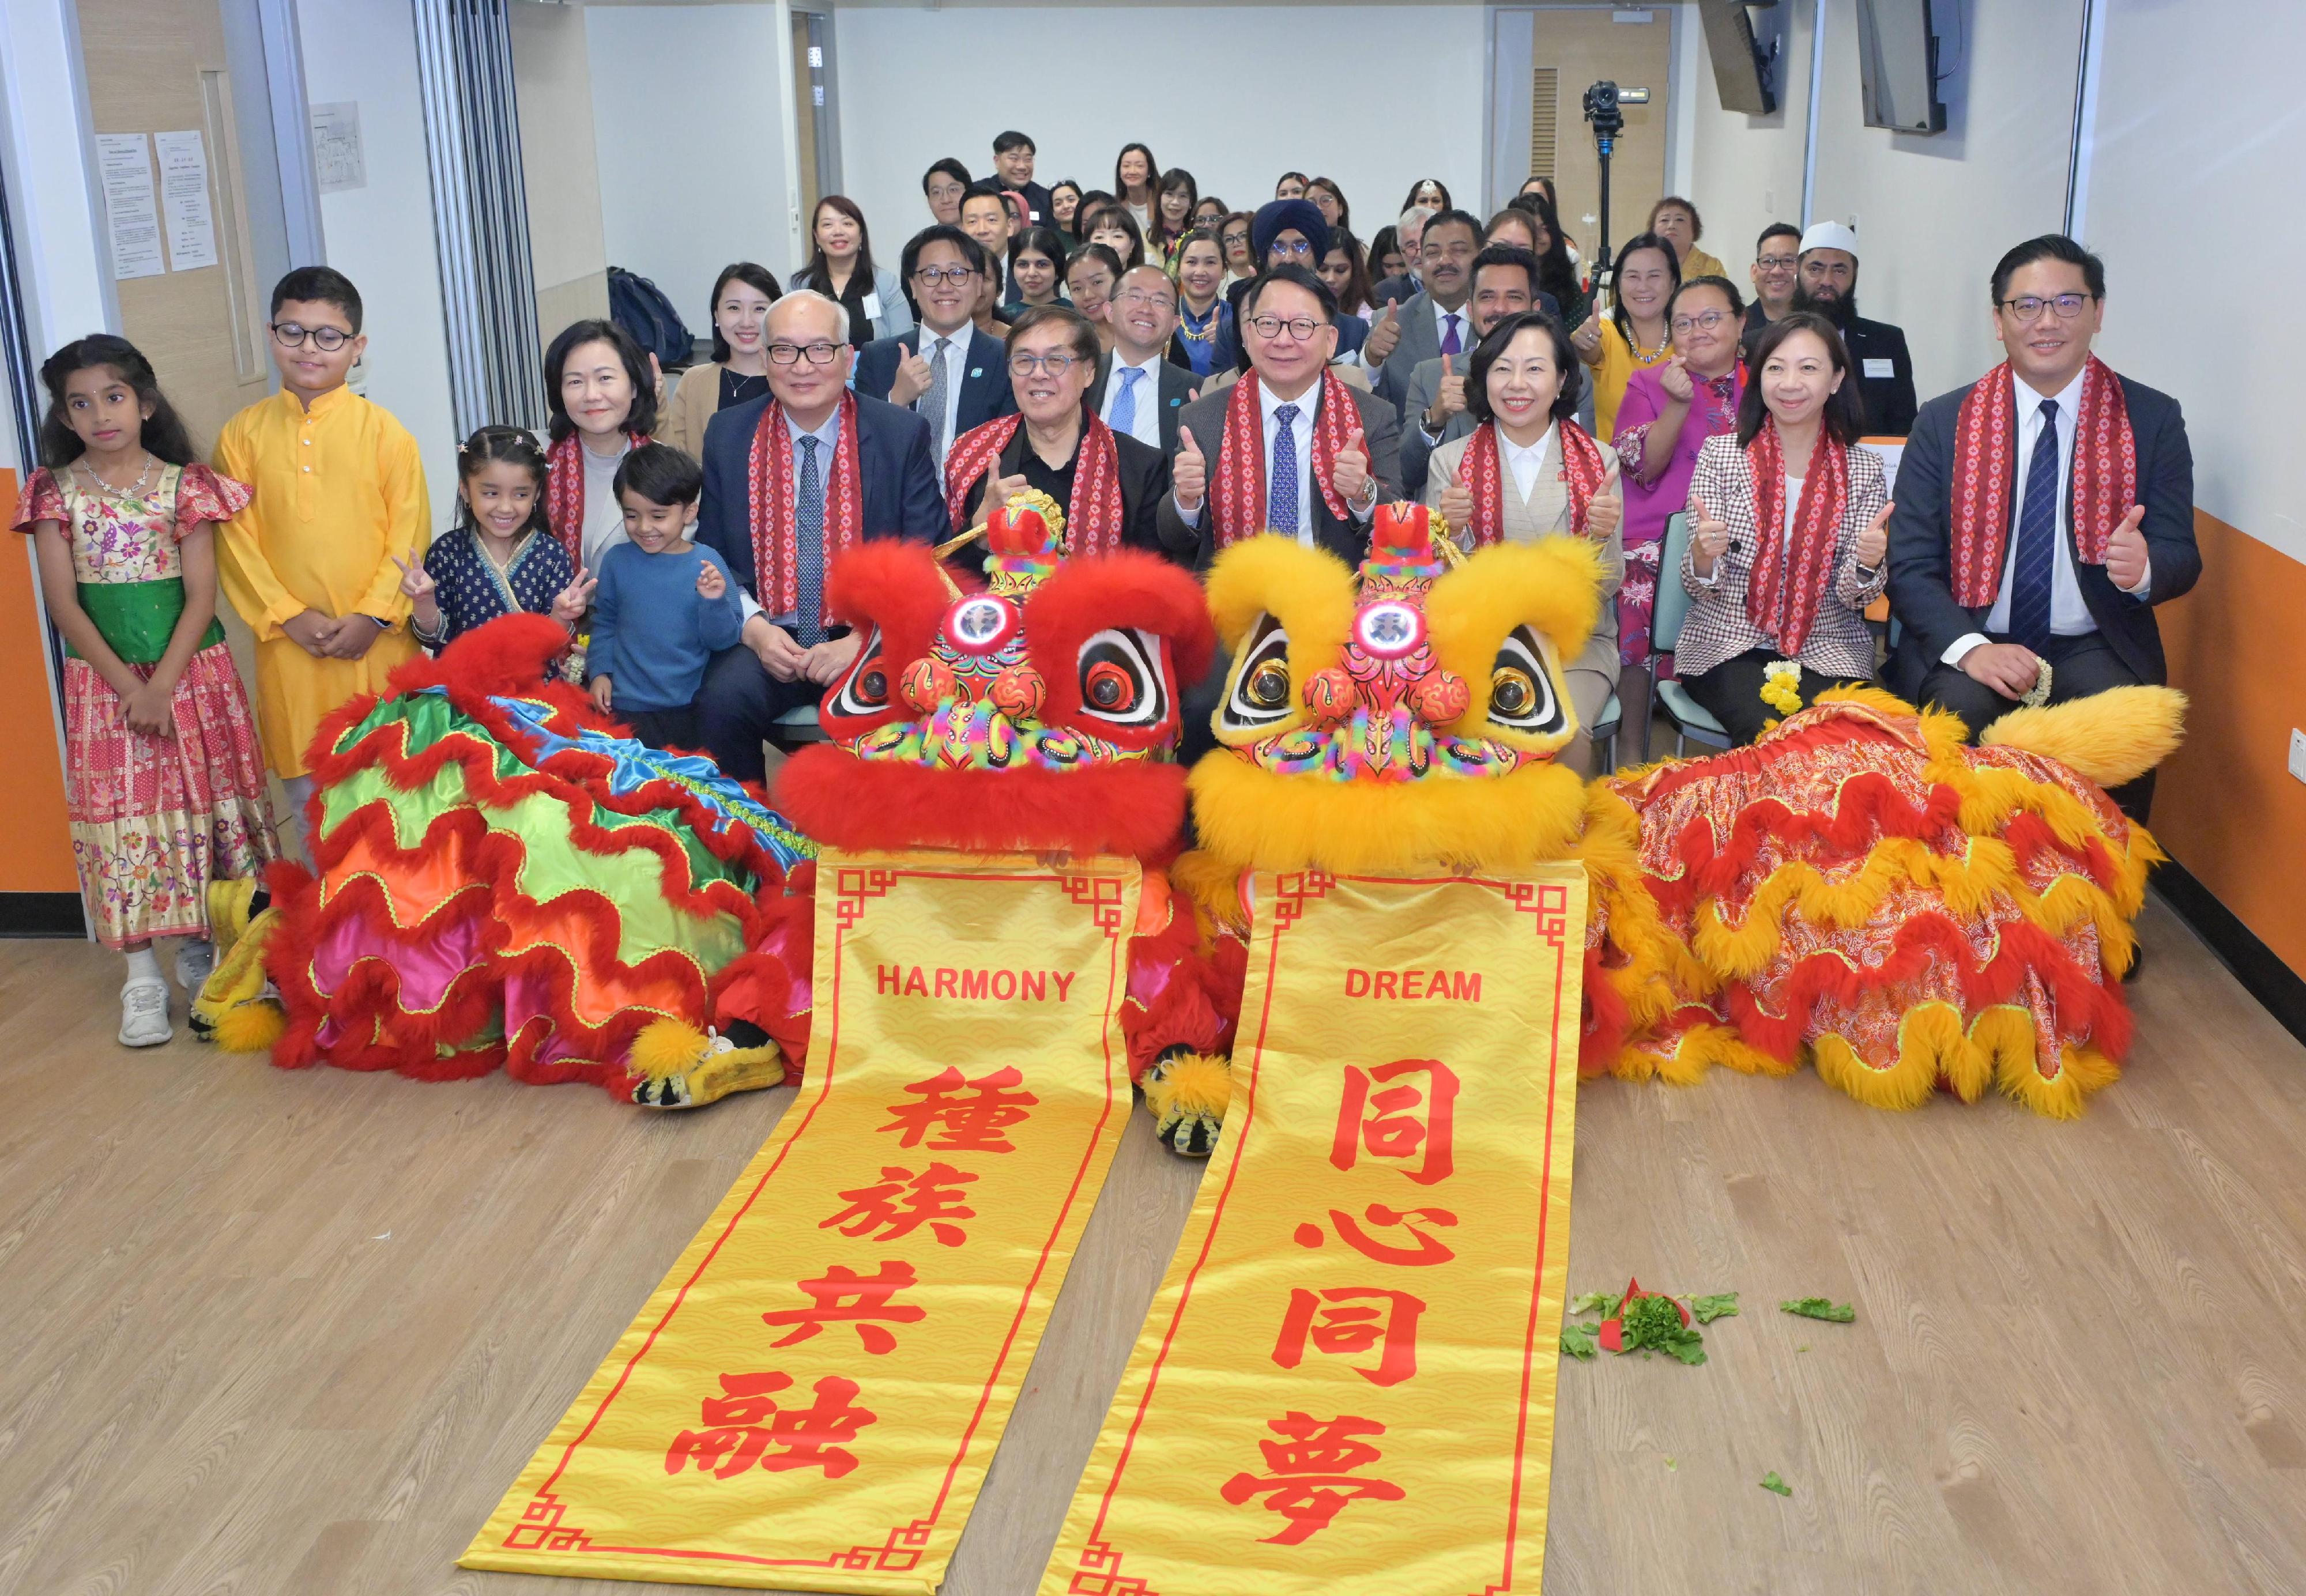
x: 1719, y: 1305
x: 1770, y: 1482
x: 1823, y: 1308
x: 1577, y: 1341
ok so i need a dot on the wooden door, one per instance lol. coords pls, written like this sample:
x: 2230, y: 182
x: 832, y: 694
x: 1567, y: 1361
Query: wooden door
x: 1573, y: 48
x: 157, y: 67
x: 809, y: 92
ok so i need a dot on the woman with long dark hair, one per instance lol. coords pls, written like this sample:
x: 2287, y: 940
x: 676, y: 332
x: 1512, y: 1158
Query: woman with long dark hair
x: 1634, y: 335
x: 1789, y: 540
x: 1036, y: 269
x: 1173, y: 215
x: 739, y: 369
x: 1329, y: 200
x: 1136, y: 175
x: 840, y: 268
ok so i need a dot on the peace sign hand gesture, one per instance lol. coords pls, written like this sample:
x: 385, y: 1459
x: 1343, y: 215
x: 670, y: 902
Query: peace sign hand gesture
x: 415, y: 581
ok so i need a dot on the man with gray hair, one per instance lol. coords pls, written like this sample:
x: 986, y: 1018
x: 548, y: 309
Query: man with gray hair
x: 1410, y: 230
x: 792, y: 480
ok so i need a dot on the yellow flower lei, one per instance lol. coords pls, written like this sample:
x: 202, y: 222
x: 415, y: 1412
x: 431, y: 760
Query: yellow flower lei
x: 1781, y: 686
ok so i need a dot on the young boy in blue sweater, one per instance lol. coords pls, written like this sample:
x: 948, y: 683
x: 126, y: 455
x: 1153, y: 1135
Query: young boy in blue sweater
x: 665, y: 606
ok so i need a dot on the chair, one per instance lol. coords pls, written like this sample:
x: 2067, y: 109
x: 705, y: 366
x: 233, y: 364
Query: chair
x: 1604, y: 733
x: 796, y: 726
x: 1692, y: 722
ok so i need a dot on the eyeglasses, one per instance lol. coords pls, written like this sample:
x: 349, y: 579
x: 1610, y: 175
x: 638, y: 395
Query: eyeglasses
x: 1300, y: 328
x: 2028, y: 307
x: 817, y: 355
x: 1705, y: 320
x: 1146, y: 296
x: 1777, y: 262
x: 292, y: 335
x: 1056, y: 363
x: 935, y: 275
x: 1301, y: 248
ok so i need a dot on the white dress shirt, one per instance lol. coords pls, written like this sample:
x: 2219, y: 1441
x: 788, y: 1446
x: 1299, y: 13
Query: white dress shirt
x: 956, y: 367
x: 2070, y: 615
x: 1525, y: 464
x: 1300, y: 441
x: 1145, y: 424
x: 828, y: 440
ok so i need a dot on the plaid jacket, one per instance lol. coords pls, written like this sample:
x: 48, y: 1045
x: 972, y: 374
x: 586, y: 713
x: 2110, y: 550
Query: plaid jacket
x: 1838, y: 643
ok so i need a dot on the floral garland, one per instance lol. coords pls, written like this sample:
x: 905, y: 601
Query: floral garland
x: 1781, y: 686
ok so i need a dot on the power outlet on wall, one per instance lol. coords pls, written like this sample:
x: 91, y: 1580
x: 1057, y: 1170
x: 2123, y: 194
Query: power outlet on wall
x: 2298, y: 754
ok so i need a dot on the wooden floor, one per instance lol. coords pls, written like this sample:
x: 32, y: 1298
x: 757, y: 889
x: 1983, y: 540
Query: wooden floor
x: 264, y: 1332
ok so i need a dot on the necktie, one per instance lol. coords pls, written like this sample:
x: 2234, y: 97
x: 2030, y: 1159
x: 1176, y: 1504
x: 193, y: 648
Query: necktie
x: 1449, y: 344
x: 935, y: 399
x: 1124, y: 403
x: 1281, y: 493
x: 808, y: 546
x: 2037, y: 539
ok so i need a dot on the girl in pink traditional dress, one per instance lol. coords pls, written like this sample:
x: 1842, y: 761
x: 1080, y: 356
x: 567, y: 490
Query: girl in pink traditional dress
x: 167, y: 782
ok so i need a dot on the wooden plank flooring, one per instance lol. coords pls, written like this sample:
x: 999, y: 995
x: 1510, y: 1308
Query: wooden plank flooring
x: 263, y: 1332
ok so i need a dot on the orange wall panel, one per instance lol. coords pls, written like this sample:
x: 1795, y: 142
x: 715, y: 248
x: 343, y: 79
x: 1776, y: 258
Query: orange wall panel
x: 35, y: 839
x: 2226, y: 806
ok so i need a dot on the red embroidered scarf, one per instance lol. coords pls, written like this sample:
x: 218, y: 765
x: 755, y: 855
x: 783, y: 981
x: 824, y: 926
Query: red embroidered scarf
x: 564, y: 491
x: 769, y: 506
x: 1093, y: 520
x: 1786, y: 584
x: 1985, y: 469
x: 1581, y: 467
x: 1237, y: 496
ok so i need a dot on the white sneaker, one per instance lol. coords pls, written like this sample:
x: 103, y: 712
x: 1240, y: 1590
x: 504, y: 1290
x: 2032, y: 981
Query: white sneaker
x: 195, y: 962
x: 144, y: 1013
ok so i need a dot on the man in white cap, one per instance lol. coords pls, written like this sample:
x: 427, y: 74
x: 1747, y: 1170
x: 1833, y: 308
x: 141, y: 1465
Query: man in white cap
x: 1828, y: 285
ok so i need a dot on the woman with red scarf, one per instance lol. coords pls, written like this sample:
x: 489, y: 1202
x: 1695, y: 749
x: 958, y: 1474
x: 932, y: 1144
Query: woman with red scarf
x: 1109, y: 484
x: 1527, y: 471
x: 1790, y: 538
x: 603, y: 392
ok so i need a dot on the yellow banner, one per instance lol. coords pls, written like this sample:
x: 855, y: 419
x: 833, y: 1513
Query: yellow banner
x: 811, y: 1399
x: 1347, y: 1382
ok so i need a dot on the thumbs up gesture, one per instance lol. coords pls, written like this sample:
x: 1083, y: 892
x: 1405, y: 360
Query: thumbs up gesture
x: 569, y: 604
x: 1384, y: 332
x: 1451, y: 399
x: 2125, y: 552
x: 1588, y: 339
x: 1874, y: 542
x: 1349, y: 471
x: 1675, y: 379
x: 912, y: 378
x: 1602, y: 512
x: 1458, y: 509
x: 998, y: 489
x: 1709, y: 540
x: 1188, y: 475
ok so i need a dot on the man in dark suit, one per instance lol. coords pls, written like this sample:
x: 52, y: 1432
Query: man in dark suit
x: 1012, y: 158
x: 786, y: 656
x: 953, y: 373
x: 1828, y: 285
x: 1287, y: 317
x: 1504, y: 284
x: 1151, y: 389
x: 2079, y: 598
x: 1051, y: 352
x: 1436, y: 320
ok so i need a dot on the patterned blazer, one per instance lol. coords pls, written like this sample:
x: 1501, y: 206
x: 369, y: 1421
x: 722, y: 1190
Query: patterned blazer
x: 1838, y: 643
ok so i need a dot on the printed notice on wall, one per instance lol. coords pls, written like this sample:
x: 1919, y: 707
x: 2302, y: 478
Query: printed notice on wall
x: 337, y: 161
x: 124, y: 162
x: 191, y: 226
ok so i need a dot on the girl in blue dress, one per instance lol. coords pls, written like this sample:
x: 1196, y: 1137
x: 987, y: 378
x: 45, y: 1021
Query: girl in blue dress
x: 501, y: 556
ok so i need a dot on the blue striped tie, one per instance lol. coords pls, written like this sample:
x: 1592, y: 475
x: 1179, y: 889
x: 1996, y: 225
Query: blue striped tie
x: 2030, y: 575
x: 808, y: 546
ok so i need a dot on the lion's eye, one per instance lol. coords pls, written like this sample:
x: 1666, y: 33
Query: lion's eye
x: 1511, y: 692
x: 1121, y: 677
x: 864, y: 690
x: 1262, y: 690
x: 1268, y: 685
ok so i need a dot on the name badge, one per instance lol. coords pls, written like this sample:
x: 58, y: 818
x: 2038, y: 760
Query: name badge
x: 1033, y: 214
x: 1881, y: 368
x: 873, y: 313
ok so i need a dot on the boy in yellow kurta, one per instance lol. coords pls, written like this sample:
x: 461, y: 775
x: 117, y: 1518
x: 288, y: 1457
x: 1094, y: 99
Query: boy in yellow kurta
x: 340, y: 494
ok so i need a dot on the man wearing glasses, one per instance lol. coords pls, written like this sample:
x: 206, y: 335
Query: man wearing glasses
x: 1437, y: 320
x: 1290, y: 447
x: 2041, y: 513
x: 1139, y: 391
x: 1827, y: 283
x: 1504, y: 284
x: 792, y: 480
x: 1776, y: 272
x: 947, y: 369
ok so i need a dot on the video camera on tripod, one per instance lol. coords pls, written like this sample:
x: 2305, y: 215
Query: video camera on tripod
x: 1603, y: 103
